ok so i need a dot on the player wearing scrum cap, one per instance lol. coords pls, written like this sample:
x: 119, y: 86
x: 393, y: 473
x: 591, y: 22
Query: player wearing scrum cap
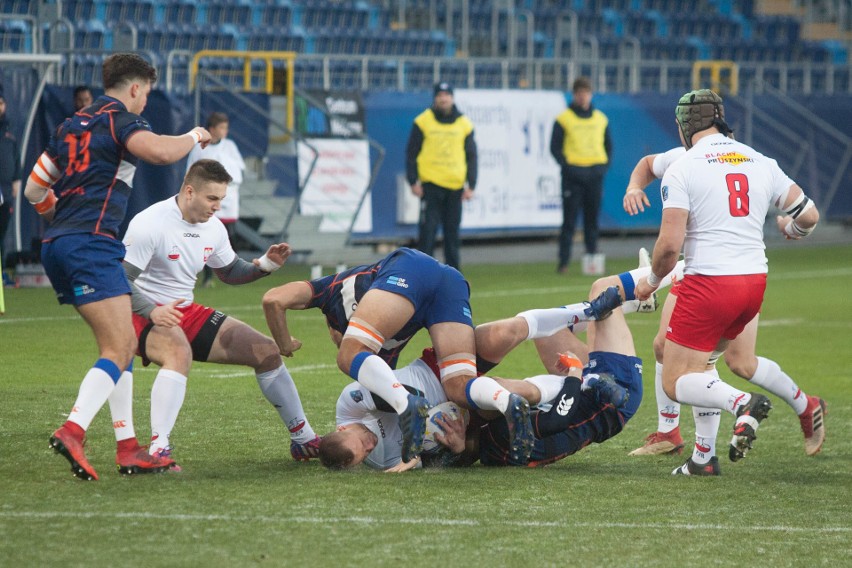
x: 715, y: 200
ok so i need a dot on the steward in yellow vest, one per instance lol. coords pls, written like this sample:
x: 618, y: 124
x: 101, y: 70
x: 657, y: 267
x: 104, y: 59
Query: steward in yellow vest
x: 441, y: 169
x: 581, y: 145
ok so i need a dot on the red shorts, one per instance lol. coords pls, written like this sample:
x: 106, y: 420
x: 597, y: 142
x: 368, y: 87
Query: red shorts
x: 199, y: 323
x: 710, y: 308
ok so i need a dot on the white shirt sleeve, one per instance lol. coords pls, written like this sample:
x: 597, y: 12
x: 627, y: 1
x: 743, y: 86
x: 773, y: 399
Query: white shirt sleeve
x: 355, y: 404
x: 673, y: 190
x: 140, y: 243
x: 666, y: 159
x: 781, y: 182
x: 224, y: 254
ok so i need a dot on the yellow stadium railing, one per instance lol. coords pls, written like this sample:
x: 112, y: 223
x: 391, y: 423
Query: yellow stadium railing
x: 268, y: 76
x: 724, y: 76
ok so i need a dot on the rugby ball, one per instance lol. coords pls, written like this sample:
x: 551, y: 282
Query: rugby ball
x: 449, y: 409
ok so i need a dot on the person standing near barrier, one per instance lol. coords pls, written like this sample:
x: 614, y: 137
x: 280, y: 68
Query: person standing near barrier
x: 10, y: 175
x: 225, y: 151
x: 82, y: 97
x: 581, y: 145
x: 81, y: 184
x: 441, y: 167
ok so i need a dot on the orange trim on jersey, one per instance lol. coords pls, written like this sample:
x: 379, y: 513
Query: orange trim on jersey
x: 97, y: 230
x: 369, y: 332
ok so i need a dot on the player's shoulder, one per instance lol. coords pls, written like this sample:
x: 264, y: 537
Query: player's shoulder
x: 159, y: 214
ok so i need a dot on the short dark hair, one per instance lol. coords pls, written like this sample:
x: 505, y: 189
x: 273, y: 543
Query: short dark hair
x: 334, y: 453
x: 581, y: 84
x: 216, y: 118
x: 206, y: 171
x: 81, y: 89
x: 122, y: 68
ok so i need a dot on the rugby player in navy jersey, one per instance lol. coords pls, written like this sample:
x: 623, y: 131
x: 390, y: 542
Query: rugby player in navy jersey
x: 395, y: 297
x: 80, y: 185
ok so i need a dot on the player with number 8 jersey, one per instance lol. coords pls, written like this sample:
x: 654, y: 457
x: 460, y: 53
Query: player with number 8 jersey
x: 715, y: 201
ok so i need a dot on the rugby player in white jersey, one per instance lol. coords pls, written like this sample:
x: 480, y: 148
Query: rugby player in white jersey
x: 168, y: 244
x: 740, y: 356
x: 715, y: 200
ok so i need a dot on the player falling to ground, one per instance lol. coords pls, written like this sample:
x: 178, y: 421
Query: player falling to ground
x: 168, y: 244
x: 739, y: 356
x: 590, y: 404
x: 715, y: 200
x: 399, y: 295
x: 81, y: 185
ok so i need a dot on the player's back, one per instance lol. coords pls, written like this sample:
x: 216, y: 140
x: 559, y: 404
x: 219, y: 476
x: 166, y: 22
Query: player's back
x: 96, y: 168
x: 728, y: 188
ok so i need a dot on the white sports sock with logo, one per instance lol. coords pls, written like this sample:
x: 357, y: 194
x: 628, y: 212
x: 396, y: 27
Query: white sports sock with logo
x: 121, y: 407
x: 707, y: 422
x: 93, y: 394
x: 377, y: 377
x: 167, y: 396
x: 547, y: 321
x: 280, y: 390
x: 668, y: 410
x: 769, y: 376
x: 485, y: 393
x: 704, y: 390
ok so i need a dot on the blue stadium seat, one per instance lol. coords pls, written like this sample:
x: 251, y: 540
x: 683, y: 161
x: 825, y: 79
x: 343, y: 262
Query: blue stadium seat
x: 92, y: 34
x: 134, y: 11
x: 16, y: 36
x: 234, y: 12
x: 179, y: 11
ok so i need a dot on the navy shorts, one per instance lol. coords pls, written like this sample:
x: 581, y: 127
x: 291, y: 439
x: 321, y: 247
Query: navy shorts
x: 438, y: 292
x: 589, y: 422
x: 85, y: 268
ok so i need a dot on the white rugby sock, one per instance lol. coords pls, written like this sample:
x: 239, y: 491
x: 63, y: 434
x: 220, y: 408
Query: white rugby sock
x: 548, y: 385
x: 769, y: 376
x: 708, y: 391
x: 167, y: 396
x: 280, y: 390
x: 93, y: 394
x: 706, y: 429
x: 485, y: 393
x: 668, y: 410
x: 377, y: 377
x: 121, y: 407
x: 547, y: 321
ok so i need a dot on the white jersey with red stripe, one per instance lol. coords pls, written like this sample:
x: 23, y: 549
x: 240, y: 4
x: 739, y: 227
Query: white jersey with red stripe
x: 356, y: 404
x: 171, y: 252
x: 728, y: 188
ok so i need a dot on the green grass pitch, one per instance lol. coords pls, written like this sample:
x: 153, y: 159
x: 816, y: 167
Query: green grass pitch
x: 242, y: 501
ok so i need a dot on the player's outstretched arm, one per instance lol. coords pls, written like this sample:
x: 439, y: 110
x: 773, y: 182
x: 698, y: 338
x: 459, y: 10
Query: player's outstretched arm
x: 160, y: 149
x: 635, y: 199
x: 276, y: 302
x: 274, y: 258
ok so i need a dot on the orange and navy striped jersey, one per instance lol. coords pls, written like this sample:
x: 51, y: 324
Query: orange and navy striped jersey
x: 95, y: 168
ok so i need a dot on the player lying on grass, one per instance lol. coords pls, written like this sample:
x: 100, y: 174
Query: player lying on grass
x: 168, y: 244
x: 740, y: 356
x: 584, y: 403
x: 403, y: 293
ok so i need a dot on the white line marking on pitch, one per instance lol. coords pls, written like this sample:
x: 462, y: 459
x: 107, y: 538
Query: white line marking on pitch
x: 412, y: 521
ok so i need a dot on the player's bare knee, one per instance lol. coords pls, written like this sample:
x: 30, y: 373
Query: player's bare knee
x: 602, y: 284
x: 741, y: 364
x: 267, y: 356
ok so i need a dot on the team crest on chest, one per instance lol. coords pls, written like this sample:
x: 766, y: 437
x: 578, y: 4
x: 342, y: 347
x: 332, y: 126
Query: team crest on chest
x: 208, y: 252
x: 174, y: 254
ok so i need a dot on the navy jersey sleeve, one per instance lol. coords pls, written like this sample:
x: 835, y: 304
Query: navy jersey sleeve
x: 126, y: 124
x: 321, y: 288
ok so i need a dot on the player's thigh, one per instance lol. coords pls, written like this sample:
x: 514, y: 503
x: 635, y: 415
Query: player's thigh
x: 612, y: 334
x: 563, y: 341
x: 167, y: 347
x: 384, y: 311
x: 237, y: 343
x: 111, y: 322
x: 740, y: 354
x: 680, y: 360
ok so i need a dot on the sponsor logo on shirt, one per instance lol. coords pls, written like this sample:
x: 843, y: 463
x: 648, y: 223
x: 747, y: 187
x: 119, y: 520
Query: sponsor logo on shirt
x: 730, y: 158
x: 564, y: 405
x: 174, y: 254
x: 466, y: 312
x: 397, y: 281
x: 192, y: 235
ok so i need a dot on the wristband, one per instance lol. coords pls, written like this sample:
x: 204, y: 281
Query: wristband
x: 267, y: 265
x: 195, y: 135
x: 795, y: 231
x: 654, y: 280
